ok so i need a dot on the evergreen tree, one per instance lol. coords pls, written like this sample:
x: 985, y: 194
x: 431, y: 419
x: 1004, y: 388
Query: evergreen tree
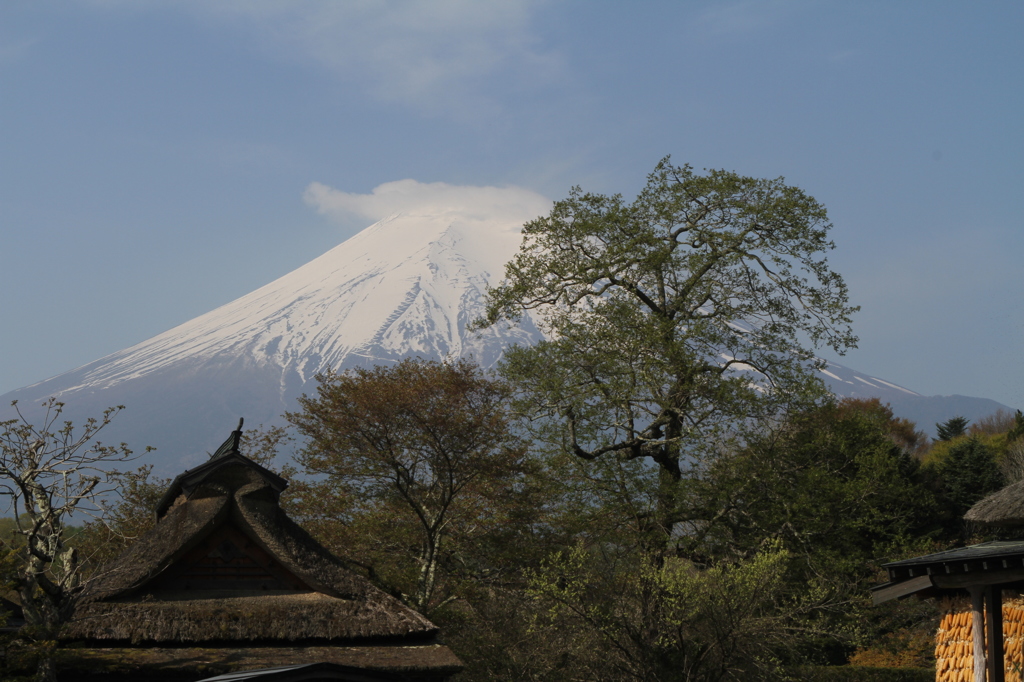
x: 1018, y: 427
x: 952, y: 428
x: 968, y: 473
x: 831, y: 484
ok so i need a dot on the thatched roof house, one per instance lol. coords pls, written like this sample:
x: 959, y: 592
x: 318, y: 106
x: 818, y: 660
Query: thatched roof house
x: 981, y: 635
x: 225, y: 567
x: 1002, y: 508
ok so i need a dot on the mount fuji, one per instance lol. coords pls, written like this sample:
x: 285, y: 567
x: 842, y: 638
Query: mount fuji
x: 406, y: 286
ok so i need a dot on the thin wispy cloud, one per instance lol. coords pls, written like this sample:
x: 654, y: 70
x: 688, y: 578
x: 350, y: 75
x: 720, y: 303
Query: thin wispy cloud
x: 434, y: 54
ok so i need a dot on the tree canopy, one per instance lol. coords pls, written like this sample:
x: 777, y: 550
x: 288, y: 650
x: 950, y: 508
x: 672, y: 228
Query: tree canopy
x: 953, y: 427
x: 48, y: 473
x: 969, y: 472
x: 697, y: 304
x: 418, y: 458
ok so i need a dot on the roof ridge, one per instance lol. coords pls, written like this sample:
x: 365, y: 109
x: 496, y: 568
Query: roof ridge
x: 226, y: 454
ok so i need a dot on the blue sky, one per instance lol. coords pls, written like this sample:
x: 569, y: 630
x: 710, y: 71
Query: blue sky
x: 154, y: 156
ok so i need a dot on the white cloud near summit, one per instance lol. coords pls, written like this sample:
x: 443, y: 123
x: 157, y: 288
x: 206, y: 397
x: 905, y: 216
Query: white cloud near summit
x: 471, y: 203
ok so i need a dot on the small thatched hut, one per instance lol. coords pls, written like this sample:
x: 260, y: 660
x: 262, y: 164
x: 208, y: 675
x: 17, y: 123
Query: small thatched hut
x: 225, y: 569
x: 981, y: 635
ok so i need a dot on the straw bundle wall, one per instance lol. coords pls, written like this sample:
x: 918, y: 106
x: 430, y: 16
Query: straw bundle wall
x: 954, y: 641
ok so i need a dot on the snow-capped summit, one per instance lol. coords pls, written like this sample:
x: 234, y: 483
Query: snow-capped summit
x: 406, y: 286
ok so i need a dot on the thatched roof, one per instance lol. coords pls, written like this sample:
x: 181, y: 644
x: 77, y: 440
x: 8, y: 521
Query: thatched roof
x: 309, y: 671
x: 226, y: 455
x: 1002, y: 508
x: 405, y: 662
x: 208, y: 616
x: 224, y: 564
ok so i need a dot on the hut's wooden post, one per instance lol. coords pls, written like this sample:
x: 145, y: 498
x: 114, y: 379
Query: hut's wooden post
x: 994, y: 606
x: 978, y: 631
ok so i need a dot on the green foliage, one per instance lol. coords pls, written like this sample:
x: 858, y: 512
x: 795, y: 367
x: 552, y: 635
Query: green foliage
x: 1018, y: 427
x: 968, y: 473
x: 652, y: 307
x: 830, y: 483
x: 419, y: 464
x: 48, y: 473
x: 668, y: 620
x: 834, y: 487
x: 771, y: 562
x: 851, y: 673
x: 937, y: 453
x: 952, y: 428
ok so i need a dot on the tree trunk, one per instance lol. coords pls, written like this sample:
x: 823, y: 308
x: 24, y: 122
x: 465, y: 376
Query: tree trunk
x: 46, y: 671
x: 428, y: 574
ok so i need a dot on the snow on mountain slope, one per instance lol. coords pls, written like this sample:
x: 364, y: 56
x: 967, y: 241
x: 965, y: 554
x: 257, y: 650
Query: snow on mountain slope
x: 845, y: 382
x: 405, y: 286
x: 924, y: 411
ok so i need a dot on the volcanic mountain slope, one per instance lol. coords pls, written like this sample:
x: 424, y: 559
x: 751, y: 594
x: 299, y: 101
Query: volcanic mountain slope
x: 404, y: 287
x: 925, y: 411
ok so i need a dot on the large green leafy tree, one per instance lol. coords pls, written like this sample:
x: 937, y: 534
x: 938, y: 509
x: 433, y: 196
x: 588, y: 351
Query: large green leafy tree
x: 836, y: 484
x: 667, y: 620
x: 775, y: 544
x: 695, y: 307
x: 420, y: 476
x: 840, y: 488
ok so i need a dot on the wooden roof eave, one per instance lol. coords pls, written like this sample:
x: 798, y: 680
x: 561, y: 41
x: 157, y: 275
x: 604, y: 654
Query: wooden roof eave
x: 904, y: 588
x: 936, y: 583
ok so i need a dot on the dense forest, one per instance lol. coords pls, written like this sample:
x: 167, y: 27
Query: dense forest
x: 540, y: 565
x: 660, y: 491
